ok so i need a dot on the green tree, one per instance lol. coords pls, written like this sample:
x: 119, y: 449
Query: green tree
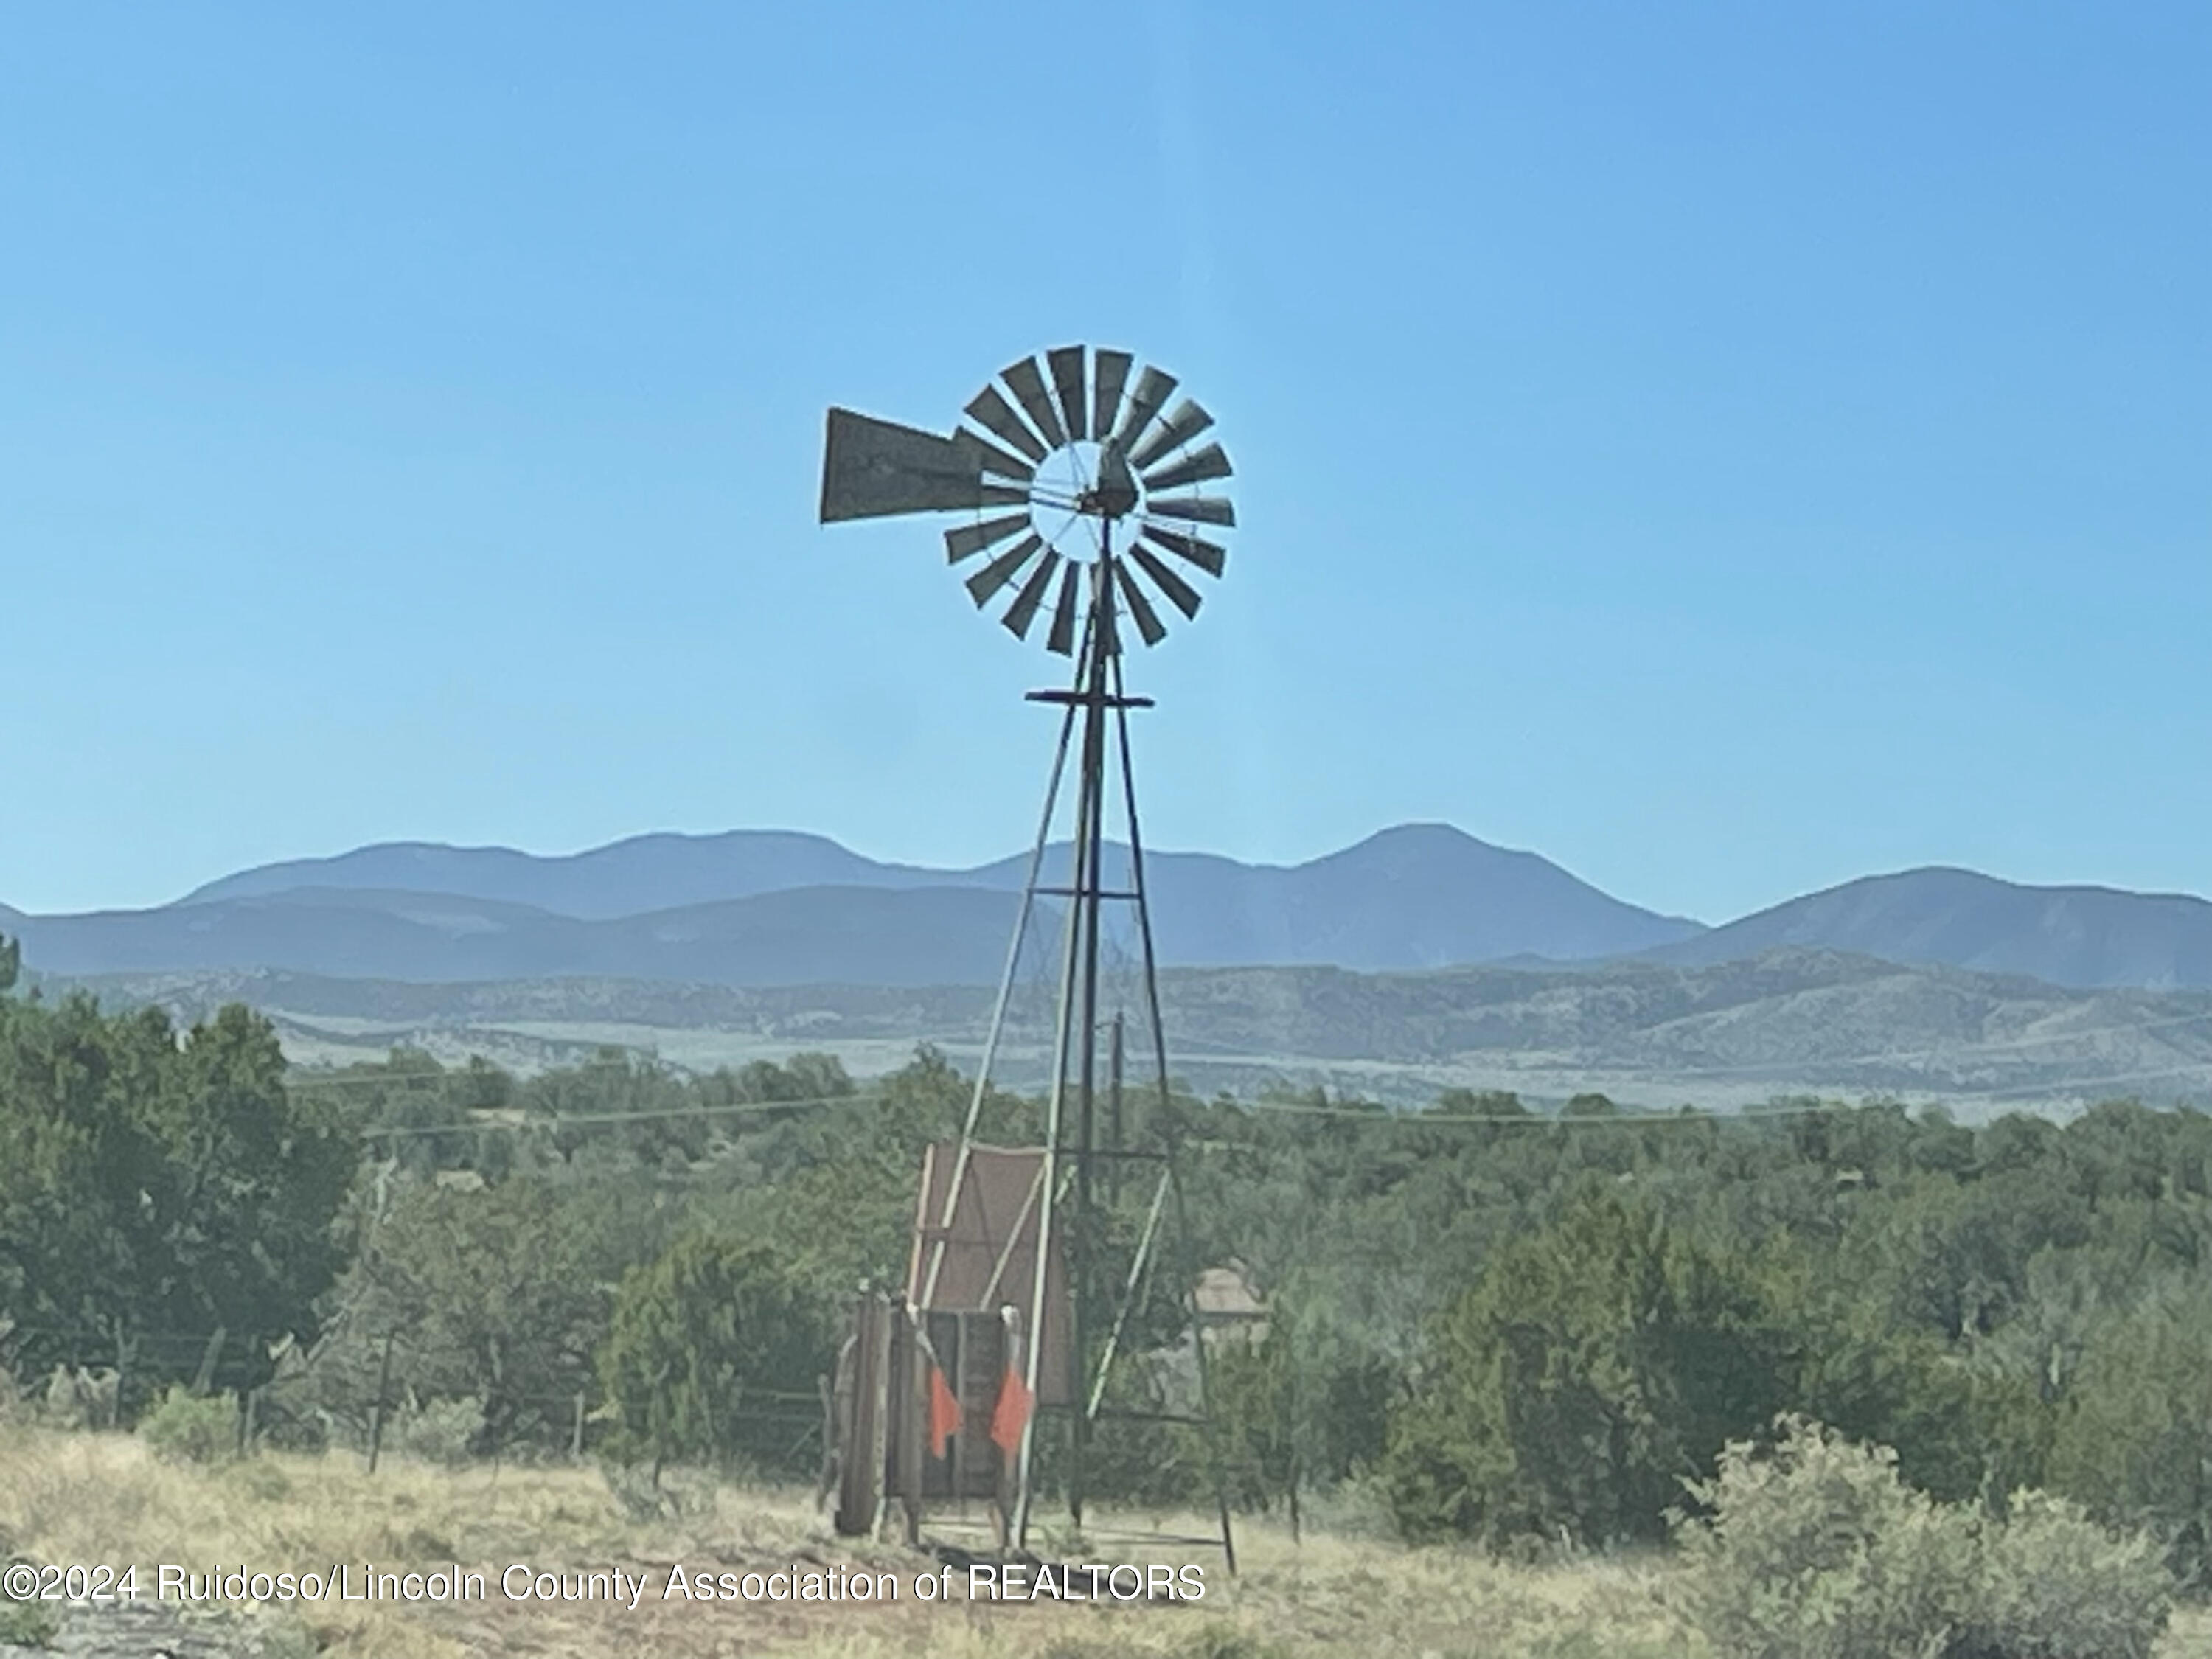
x: 1598, y: 1365
x: 713, y: 1355
x: 79, y: 1249
x: 500, y: 1295
x: 2134, y: 1440
x: 253, y: 1181
x: 156, y: 1195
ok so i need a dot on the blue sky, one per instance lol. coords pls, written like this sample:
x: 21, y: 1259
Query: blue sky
x: 1726, y: 449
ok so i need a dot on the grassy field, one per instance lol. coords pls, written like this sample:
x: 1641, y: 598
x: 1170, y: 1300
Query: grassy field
x: 67, y: 1498
x: 77, y: 1497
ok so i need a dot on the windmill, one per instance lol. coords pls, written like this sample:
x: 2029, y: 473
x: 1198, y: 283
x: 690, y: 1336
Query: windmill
x: 1092, y: 501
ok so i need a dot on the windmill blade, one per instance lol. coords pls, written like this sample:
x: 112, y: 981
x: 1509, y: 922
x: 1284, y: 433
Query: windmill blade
x: 1027, y: 385
x: 1110, y: 373
x: 967, y: 540
x: 1207, y: 555
x: 989, y: 458
x: 1211, y: 462
x: 1200, y: 509
x: 1180, y: 593
x: 1061, y: 642
x: 1000, y: 571
x: 872, y: 468
x: 1066, y: 367
x: 1180, y: 428
x: 995, y: 414
x: 1154, y: 386
x: 1023, y: 611
x: 1141, y: 608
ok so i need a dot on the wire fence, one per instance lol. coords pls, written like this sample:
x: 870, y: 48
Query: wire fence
x: 527, y: 1120
x: 82, y: 1389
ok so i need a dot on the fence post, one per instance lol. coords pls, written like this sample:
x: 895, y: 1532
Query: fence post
x: 376, y: 1406
x: 204, y: 1378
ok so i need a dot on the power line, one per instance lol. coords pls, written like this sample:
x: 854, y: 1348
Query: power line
x: 1746, y: 1069
x: 566, y: 1119
x: 1373, y: 1114
x: 814, y: 1103
x: 1656, y: 1120
x: 295, y: 1080
x: 1537, y: 1120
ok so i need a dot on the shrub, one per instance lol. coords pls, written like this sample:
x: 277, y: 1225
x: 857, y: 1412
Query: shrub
x: 1817, y: 1550
x: 79, y: 1399
x: 2056, y: 1585
x: 438, y: 1431
x: 28, y: 1624
x: 191, y: 1428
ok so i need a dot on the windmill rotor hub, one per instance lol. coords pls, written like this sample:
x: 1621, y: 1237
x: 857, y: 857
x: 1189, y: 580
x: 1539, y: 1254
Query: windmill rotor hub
x: 1113, y: 494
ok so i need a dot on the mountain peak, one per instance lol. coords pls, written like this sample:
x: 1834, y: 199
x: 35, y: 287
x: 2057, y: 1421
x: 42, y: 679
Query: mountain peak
x: 2085, y: 937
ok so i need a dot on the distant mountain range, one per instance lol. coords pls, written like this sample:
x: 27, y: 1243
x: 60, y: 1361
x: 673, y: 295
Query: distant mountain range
x: 759, y: 908
x: 765, y: 908
x: 806, y: 935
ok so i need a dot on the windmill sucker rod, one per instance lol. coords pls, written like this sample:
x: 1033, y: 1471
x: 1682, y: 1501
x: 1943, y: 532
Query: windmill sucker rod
x: 1091, y: 836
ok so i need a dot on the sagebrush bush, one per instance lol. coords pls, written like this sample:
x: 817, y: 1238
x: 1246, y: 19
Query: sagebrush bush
x: 1817, y: 1550
x: 191, y: 1428
x: 437, y: 1431
x: 2056, y: 1585
x: 28, y: 1624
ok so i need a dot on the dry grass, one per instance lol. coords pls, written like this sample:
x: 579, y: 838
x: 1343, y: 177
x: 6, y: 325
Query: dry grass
x: 102, y: 1498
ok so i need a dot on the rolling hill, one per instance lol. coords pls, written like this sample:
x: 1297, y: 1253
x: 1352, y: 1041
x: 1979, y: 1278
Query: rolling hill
x: 2075, y: 936
x: 623, y: 879
x: 1722, y: 1035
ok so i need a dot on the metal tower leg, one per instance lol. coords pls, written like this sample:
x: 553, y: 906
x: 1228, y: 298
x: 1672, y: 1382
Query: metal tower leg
x: 1186, y: 1268
x: 1075, y: 1030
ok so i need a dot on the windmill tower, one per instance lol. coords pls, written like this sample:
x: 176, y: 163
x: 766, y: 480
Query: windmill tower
x: 1088, y: 497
